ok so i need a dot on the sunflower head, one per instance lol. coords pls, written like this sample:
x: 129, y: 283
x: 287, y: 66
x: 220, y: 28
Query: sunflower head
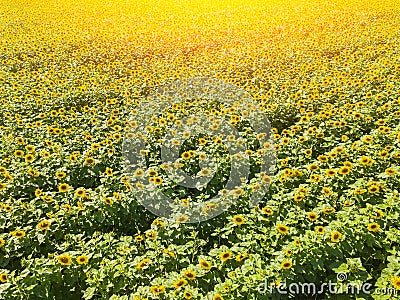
x: 286, y: 265
x: 65, y: 260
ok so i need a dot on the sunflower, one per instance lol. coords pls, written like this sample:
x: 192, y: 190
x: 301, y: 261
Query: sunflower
x: 139, y: 238
x: 202, y: 141
x: 156, y: 180
x: 315, y: 178
x: 151, y: 235
x: 344, y: 170
x: 205, y: 172
x: 2, y: 242
x: 396, y: 283
x: 80, y: 205
x: 180, y: 283
x: 238, y: 219
x: 68, y: 207
x: 346, y: 203
x: 47, y: 199
x: 302, y: 139
x: 237, y: 192
x: 175, y: 142
x: 170, y: 253
x: 29, y: 158
x: 157, y: 289
x: 364, y: 160
x: 3, y: 277
x: 186, y: 155
x: 224, y: 256
x: 182, y: 219
x: 335, y: 236
x: 326, y: 191
x: 348, y: 164
x: 152, y: 173
x: 89, y: 161
x: 117, y: 136
x: 378, y: 214
x: 312, y: 216
x: 298, y: 197
x: 205, y: 264
x: 138, y: 172
x: 285, y: 141
x: 267, y: 211
x: 33, y: 173
x: 373, y: 227
x: 330, y: 172
x: 109, y: 172
x: 158, y: 223
x: 320, y: 230
x: 187, y: 295
x: 288, y: 252
x: 65, y: 260
x: 82, y: 259
x: 313, y: 167
x: 282, y: 229
x: 81, y: 193
x: 328, y: 210
x: 188, y: 274
x: 359, y: 191
x: 265, y: 179
x: 18, y: 153
x: 286, y: 265
x: 19, y: 233
x: 333, y: 154
x: 2, y: 186
x: 60, y: 175
x: 217, y: 297
x: 390, y: 171
x: 373, y: 189
x: 108, y: 200
x: 241, y: 256
x: 322, y: 158
x: 63, y: 187
x: 43, y: 225
x: 20, y: 140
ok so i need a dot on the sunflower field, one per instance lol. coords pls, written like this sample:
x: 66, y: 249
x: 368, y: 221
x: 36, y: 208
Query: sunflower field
x: 80, y: 79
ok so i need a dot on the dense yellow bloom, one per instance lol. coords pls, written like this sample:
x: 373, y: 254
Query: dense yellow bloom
x: 77, y: 86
